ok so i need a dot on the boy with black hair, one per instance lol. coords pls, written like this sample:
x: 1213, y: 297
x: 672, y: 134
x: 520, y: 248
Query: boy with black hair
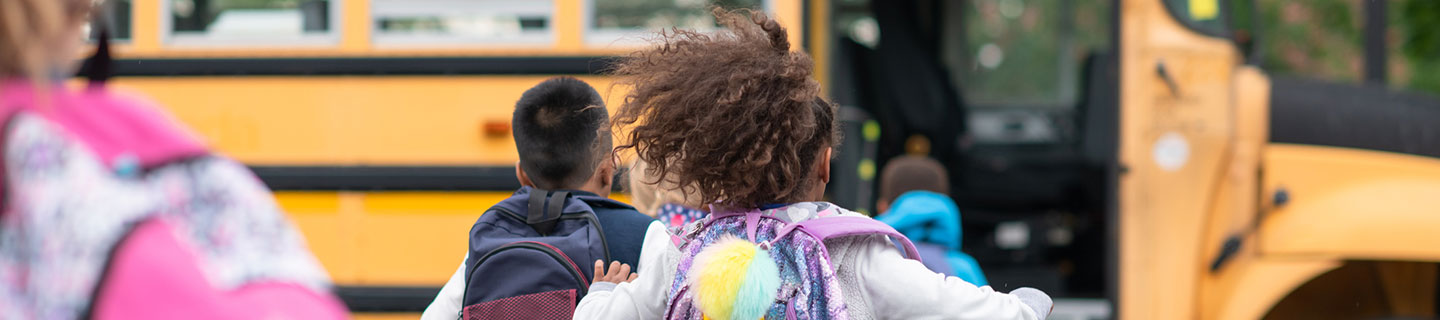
x: 562, y: 132
x: 566, y: 158
x: 558, y: 128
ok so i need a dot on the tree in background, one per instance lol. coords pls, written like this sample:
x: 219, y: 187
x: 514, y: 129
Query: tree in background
x: 1323, y: 39
x: 1418, y: 36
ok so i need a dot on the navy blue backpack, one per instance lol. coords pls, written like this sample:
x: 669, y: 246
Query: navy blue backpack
x: 528, y: 257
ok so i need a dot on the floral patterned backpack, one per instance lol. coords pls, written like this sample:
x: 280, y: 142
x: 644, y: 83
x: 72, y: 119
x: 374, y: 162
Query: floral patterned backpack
x: 767, y: 264
x: 109, y: 210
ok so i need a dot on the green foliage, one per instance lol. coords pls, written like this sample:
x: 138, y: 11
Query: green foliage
x: 1324, y: 39
x: 1318, y: 38
x: 1420, y: 24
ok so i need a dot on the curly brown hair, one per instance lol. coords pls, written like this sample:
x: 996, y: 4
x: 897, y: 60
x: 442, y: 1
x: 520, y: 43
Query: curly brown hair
x: 734, y: 114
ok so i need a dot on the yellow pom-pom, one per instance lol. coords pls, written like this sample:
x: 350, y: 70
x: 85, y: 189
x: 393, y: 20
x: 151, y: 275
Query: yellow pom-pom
x: 717, y: 273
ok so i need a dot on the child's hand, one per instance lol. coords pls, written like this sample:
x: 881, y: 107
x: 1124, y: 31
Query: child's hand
x: 619, y: 273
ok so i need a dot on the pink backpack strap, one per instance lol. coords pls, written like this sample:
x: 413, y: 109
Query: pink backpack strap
x: 837, y: 227
x: 110, y: 125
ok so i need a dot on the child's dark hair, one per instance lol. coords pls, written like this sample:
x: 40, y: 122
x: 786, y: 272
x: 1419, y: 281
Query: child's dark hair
x: 909, y: 173
x: 734, y: 114
x: 561, y: 132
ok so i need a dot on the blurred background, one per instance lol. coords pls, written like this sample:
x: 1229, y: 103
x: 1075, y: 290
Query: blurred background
x: 1146, y: 159
x: 1325, y: 39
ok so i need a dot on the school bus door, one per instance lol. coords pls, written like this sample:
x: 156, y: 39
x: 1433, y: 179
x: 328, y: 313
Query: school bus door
x: 1177, y: 134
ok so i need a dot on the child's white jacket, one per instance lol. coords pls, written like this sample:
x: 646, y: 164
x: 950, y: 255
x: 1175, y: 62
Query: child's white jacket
x: 877, y: 281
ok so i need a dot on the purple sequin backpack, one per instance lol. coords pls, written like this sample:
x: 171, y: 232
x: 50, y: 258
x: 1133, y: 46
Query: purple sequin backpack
x: 808, y: 287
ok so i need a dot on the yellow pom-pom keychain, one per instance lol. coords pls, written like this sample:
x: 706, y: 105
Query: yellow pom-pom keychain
x: 734, y: 279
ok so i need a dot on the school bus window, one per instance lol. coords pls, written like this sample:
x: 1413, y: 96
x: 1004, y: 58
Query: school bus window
x: 625, y: 21
x: 462, y: 21
x: 1206, y: 16
x: 1011, y: 53
x: 115, y: 17
x: 223, y: 22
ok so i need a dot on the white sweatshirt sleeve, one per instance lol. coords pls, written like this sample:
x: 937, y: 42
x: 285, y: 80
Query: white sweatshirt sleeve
x: 643, y: 298
x: 447, y: 303
x: 899, y: 288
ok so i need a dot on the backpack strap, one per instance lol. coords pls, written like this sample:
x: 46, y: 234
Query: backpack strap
x: 836, y: 227
x: 595, y: 201
x: 752, y: 220
x: 752, y: 223
x: 545, y: 208
x: 121, y: 131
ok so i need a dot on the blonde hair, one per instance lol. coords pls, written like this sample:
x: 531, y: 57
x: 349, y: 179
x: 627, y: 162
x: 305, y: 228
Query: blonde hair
x: 648, y: 192
x: 32, y: 32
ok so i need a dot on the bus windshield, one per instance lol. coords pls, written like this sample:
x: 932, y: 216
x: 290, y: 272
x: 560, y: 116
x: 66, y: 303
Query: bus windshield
x: 1022, y: 53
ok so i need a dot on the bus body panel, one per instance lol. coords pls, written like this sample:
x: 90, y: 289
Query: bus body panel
x: 1351, y: 204
x: 1176, y: 128
x: 1233, y: 211
x: 389, y: 238
x: 1339, y: 205
x: 353, y: 120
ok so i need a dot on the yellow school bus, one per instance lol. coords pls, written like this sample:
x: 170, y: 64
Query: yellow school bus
x: 1124, y: 151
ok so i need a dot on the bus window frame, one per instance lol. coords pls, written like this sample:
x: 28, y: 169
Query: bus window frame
x: 102, y: 14
x: 382, y: 40
x: 624, y: 37
x: 330, y: 38
x: 1225, y: 16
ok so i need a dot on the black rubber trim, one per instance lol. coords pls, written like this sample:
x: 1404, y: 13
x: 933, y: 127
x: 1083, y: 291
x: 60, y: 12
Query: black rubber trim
x: 805, y: 36
x: 362, y: 66
x: 1114, y: 169
x: 386, y: 299
x: 1313, y: 112
x: 1375, y: 40
x: 388, y: 178
x: 398, y: 178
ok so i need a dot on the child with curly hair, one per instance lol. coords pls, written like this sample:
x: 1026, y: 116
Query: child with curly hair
x: 736, y: 115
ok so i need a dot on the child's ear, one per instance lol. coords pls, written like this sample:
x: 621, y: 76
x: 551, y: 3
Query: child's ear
x: 823, y: 168
x: 604, y: 176
x: 520, y: 175
x: 606, y: 173
x: 611, y: 163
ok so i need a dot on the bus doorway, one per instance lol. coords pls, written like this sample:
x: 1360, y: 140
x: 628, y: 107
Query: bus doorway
x: 1016, y: 98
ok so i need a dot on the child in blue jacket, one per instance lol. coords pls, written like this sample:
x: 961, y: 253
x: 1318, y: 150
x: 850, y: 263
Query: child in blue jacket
x: 913, y: 201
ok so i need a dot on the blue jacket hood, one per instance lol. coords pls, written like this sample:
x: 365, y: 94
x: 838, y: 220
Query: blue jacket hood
x: 925, y: 216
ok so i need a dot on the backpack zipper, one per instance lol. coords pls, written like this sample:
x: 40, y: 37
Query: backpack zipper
x: 670, y: 310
